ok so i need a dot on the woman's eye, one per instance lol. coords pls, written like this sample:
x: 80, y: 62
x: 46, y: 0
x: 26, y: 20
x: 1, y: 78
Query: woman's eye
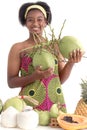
x: 29, y: 20
x: 32, y: 20
x: 40, y: 20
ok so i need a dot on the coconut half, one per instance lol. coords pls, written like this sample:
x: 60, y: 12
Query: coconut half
x: 8, y: 117
x: 27, y: 119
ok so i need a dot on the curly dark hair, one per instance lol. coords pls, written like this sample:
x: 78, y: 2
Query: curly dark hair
x: 23, y: 8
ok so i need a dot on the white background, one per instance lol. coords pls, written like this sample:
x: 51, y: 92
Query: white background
x: 74, y: 11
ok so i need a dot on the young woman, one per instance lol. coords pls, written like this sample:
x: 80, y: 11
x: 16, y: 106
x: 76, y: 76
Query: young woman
x: 42, y: 85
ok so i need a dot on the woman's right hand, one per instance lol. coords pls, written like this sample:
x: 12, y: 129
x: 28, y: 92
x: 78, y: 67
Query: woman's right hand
x: 40, y: 74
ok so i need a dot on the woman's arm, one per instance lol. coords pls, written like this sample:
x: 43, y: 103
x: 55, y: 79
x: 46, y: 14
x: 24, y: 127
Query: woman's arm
x: 64, y: 72
x: 13, y: 78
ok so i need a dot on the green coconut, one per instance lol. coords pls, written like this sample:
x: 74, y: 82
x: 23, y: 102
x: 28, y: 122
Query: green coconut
x: 54, y: 112
x: 43, y: 58
x: 15, y: 102
x: 1, y: 106
x: 44, y: 117
x: 69, y: 43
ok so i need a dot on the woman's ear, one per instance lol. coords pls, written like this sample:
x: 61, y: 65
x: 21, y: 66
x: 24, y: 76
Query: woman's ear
x: 46, y: 23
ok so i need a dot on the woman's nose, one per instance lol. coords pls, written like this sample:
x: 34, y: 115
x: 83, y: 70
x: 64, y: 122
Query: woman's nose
x: 35, y: 22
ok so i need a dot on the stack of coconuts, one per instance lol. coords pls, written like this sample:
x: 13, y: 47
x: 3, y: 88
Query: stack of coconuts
x: 16, y: 113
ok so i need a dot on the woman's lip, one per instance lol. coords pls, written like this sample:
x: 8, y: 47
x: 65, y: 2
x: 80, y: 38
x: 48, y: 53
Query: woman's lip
x: 35, y: 29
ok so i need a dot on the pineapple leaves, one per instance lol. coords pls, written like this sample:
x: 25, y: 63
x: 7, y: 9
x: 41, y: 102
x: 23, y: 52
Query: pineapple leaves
x: 84, y: 90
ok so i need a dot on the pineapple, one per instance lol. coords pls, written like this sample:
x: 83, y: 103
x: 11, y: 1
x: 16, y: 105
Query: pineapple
x: 81, y: 108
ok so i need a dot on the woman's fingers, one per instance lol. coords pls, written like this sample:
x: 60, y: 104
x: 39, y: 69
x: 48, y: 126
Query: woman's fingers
x: 76, y: 55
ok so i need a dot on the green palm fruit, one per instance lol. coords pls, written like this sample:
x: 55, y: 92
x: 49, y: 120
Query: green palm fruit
x: 69, y: 43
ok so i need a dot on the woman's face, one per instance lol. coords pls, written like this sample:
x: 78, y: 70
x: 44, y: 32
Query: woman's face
x: 35, y: 21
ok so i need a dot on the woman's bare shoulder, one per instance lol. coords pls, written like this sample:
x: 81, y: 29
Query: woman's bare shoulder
x: 18, y: 46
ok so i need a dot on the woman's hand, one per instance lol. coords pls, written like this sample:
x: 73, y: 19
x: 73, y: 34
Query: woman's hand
x: 76, y: 56
x: 40, y: 74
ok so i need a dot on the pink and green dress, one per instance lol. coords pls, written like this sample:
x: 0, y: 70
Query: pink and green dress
x: 47, y: 91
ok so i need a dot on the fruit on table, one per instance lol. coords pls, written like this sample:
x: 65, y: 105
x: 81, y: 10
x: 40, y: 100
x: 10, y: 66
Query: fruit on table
x: 44, y: 117
x: 15, y: 102
x: 81, y: 108
x: 43, y: 58
x: 72, y: 121
x: 8, y: 117
x: 27, y: 119
x: 54, y: 111
x: 69, y: 43
x: 1, y: 105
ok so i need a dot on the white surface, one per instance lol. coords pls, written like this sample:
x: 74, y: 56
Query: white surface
x: 38, y: 128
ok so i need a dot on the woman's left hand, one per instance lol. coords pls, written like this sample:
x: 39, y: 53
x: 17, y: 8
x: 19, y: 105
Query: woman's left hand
x: 76, y: 56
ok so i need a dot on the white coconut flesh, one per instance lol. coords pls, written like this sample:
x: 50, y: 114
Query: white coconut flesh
x: 27, y: 119
x: 8, y: 117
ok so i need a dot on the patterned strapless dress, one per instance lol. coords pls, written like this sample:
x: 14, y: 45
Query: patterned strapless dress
x: 46, y: 91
